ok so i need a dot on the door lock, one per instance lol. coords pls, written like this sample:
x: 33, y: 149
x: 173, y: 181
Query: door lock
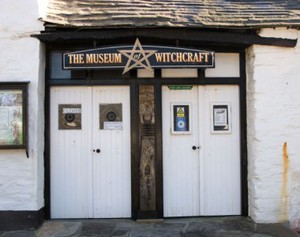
x: 195, y: 147
x: 97, y: 150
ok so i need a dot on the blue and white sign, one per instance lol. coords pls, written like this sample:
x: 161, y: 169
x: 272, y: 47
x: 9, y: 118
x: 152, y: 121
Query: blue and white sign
x: 180, y: 124
x: 181, y: 118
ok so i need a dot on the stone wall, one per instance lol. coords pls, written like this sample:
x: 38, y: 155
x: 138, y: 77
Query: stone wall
x: 273, y: 107
x: 22, y: 59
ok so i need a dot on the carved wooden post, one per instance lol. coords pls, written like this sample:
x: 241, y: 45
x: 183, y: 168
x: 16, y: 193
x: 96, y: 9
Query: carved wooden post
x: 147, y: 158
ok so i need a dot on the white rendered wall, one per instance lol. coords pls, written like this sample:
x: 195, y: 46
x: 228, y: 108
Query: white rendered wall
x: 273, y: 118
x: 22, y: 59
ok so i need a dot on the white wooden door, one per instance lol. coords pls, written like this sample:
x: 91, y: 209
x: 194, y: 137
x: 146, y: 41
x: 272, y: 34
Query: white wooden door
x: 90, y: 166
x: 180, y: 161
x: 111, y: 167
x: 204, y: 180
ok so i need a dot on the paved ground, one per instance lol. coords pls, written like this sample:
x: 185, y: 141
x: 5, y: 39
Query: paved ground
x: 185, y: 227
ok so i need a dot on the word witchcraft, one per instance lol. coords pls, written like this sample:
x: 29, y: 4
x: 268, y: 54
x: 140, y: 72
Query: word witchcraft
x: 138, y: 56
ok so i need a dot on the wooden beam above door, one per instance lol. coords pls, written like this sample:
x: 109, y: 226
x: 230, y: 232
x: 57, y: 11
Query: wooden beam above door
x: 175, y: 35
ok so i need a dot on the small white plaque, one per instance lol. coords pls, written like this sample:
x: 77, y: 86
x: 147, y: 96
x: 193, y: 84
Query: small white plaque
x: 113, y: 125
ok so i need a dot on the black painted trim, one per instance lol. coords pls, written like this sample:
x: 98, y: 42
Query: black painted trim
x: 47, y: 140
x: 148, y: 215
x: 158, y: 150
x: 243, y: 135
x: 21, y: 220
x: 173, y: 81
x: 208, y: 37
x: 135, y: 150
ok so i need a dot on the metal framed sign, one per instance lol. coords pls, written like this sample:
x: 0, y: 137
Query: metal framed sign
x: 13, y: 115
x: 69, y: 116
x: 138, y: 56
x: 220, y: 118
x: 181, y: 118
x: 110, y: 117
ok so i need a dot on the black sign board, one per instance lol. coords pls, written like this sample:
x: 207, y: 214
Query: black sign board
x: 138, y: 56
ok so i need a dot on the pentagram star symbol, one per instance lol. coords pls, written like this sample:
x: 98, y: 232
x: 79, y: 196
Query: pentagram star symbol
x: 137, y: 57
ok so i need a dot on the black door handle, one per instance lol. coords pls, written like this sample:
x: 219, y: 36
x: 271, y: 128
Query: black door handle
x: 98, y: 150
x: 195, y: 147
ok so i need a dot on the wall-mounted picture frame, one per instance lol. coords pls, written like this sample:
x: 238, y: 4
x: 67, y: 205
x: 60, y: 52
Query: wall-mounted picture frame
x: 181, y: 118
x: 13, y: 115
x: 220, y: 117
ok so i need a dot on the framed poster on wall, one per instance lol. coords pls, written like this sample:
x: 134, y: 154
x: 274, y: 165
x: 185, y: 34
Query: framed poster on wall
x: 220, y: 118
x: 13, y: 115
x: 181, y: 118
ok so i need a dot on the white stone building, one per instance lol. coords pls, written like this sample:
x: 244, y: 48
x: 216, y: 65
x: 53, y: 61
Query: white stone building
x: 196, y: 163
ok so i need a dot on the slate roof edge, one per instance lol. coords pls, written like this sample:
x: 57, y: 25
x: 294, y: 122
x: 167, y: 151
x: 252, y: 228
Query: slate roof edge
x: 117, y: 24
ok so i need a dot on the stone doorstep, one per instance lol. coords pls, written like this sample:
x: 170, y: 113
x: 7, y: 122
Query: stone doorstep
x: 18, y: 233
x: 150, y: 221
x: 59, y: 229
x: 227, y: 227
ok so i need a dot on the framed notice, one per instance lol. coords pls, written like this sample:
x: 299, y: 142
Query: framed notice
x: 220, y: 118
x: 13, y: 115
x: 69, y: 117
x: 110, y: 117
x: 181, y: 118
